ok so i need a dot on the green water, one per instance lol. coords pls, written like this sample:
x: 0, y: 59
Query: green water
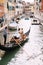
x: 8, y: 55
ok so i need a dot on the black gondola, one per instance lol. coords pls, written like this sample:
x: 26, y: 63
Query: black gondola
x: 11, y: 46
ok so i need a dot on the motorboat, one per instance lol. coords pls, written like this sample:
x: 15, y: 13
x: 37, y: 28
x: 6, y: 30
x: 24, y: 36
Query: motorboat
x: 35, y: 22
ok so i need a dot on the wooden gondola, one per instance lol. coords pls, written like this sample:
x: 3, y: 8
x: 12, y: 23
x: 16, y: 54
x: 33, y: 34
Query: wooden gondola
x: 12, y: 44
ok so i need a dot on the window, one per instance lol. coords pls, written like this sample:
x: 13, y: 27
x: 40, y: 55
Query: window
x: 14, y: 0
x: 39, y: 1
x: 10, y: 8
x: 16, y: 6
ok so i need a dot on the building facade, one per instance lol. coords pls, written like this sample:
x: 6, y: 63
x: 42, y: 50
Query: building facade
x: 41, y: 5
x: 38, y: 9
x: 38, y: 5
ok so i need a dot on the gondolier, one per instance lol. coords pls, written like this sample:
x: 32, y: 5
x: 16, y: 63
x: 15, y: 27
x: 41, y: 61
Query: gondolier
x: 5, y: 35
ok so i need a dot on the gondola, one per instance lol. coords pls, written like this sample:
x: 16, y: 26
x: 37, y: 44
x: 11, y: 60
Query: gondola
x: 12, y: 44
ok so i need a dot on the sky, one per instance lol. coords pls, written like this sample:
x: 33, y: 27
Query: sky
x: 31, y: 1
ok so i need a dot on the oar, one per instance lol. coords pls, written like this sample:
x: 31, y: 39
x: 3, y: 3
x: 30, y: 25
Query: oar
x: 23, y: 49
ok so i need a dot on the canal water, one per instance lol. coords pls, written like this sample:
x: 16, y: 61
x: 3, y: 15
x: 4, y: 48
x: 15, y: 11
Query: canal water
x: 31, y: 52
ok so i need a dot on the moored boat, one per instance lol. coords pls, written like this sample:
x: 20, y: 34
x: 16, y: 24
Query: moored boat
x: 35, y: 21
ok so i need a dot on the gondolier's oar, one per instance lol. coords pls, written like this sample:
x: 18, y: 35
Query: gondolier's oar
x: 25, y: 52
x: 23, y: 49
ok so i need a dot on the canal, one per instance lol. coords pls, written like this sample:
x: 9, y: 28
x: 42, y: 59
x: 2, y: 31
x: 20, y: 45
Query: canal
x: 31, y: 52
